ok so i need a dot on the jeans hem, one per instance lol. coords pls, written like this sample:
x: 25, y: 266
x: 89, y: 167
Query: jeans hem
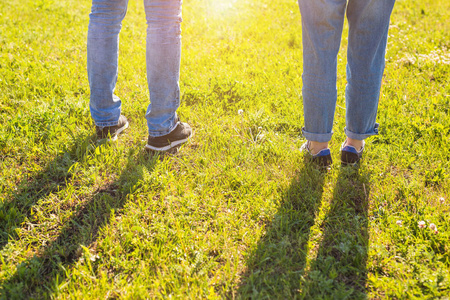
x: 106, y: 124
x: 317, y: 137
x: 361, y: 136
x: 159, y: 133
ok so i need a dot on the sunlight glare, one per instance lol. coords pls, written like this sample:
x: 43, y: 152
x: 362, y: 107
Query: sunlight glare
x: 222, y: 7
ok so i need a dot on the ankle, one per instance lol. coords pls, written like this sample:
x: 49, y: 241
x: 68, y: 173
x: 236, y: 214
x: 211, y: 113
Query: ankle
x: 357, y: 144
x: 316, y: 147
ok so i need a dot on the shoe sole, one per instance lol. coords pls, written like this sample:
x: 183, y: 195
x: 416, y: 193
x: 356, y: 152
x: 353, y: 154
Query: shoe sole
x: 168, y: 147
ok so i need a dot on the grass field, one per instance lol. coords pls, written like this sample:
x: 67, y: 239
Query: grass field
x: 237, y: 213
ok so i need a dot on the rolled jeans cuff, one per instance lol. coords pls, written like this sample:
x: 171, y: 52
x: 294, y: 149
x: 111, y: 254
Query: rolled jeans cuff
x: 361, y: 136
x: 317, y: 137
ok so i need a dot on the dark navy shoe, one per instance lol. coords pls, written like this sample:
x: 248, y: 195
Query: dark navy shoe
x: 351, y: 156
x: 322, y: 158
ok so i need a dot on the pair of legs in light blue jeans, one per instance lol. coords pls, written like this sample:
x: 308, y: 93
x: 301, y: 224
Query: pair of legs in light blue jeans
x: 322, y: 24
x: 163, y: 62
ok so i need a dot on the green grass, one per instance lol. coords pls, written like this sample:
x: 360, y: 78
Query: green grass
x: 237, y: 213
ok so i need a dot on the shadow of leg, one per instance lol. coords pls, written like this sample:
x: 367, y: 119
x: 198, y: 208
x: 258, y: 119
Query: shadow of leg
x: 277, y: 264
x: 339, y: 270
x: 38, y: 276
x: 17, y: 208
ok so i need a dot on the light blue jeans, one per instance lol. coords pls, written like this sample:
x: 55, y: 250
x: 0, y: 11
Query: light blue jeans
x: 162, y: 57
x: 322, y: 23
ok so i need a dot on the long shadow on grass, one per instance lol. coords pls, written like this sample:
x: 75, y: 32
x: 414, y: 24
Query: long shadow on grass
x: 39, y: 276
x: 339, y: 270
x: 275, y: 268
x: 18, y: 208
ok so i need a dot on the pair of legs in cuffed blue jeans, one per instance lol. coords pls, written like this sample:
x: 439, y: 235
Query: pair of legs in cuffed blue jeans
x: 322, y: 24
x: 162, y: 57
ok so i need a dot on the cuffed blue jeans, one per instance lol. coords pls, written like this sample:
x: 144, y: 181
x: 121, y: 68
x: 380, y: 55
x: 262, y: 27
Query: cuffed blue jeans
x: 162, y: 57
x: 322, y: 24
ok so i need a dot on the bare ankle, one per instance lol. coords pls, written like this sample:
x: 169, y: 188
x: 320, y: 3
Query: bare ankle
x: 358, y: 144
x: 316, y: 147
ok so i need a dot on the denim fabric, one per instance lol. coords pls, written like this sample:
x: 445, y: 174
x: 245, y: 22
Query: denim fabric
x: 322, y: 24
x: 162, y: 56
